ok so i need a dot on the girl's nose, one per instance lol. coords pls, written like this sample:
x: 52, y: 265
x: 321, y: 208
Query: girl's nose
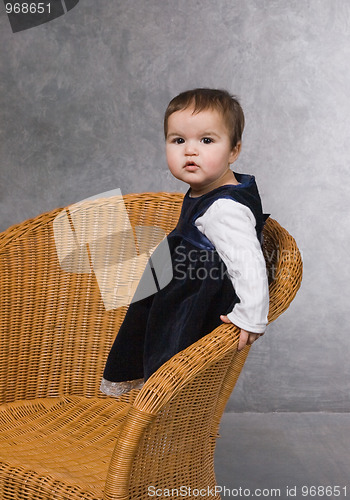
x: 191, y: 149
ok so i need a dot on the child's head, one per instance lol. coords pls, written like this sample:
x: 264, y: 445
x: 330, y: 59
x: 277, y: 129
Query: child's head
x: 203, y: 130
x: 203, y: 99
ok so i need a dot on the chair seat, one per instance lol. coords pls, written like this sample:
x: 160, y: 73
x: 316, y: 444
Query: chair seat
x: 61, y: 447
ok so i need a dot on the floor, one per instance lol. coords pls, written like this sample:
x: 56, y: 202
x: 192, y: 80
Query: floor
x: 284, y: 455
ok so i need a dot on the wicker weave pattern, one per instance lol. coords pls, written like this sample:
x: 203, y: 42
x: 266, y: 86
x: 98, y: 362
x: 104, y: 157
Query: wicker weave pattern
x: 60, y: 438
x: 46, y: 311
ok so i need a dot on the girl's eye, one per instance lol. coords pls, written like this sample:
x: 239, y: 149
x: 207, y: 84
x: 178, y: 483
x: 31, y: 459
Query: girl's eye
x: 178, y: 140
x: 207, y: 140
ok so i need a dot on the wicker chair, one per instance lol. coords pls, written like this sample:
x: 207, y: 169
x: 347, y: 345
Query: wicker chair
x: 60, y: 437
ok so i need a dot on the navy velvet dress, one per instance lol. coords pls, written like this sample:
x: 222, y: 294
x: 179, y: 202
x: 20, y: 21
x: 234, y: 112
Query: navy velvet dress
x: 189, y: 307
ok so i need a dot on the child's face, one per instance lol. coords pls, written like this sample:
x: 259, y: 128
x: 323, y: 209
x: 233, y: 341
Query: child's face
x: 198, y: 148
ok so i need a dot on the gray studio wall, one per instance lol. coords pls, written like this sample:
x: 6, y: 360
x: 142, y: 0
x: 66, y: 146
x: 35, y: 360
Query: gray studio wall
x: 82, y: 100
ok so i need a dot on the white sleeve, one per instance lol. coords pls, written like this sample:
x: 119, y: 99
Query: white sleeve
x: 230, y: 226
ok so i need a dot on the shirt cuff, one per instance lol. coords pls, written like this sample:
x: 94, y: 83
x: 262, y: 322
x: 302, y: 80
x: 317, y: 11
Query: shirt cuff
x: 246, y: 326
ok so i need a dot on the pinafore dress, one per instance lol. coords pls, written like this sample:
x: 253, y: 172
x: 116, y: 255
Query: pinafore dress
x: 189, y: 307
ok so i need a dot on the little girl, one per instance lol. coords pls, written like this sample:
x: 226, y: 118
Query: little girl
x: 219, y: 272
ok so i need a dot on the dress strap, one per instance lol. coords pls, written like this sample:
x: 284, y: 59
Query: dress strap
x: 191, y: 233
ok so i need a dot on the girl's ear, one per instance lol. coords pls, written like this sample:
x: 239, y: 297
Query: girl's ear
x: 235, y: 152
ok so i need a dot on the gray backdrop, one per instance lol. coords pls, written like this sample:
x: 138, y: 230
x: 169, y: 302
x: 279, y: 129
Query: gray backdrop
x: 82, y: 102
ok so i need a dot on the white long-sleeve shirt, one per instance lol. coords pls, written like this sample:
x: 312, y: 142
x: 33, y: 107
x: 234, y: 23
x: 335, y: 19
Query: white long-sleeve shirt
x: 230, y: 226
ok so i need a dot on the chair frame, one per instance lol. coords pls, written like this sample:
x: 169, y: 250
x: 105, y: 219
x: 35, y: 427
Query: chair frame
x: 35, y: 376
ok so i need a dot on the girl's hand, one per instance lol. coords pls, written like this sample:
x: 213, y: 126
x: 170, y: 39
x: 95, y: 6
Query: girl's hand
x: 244, y: 337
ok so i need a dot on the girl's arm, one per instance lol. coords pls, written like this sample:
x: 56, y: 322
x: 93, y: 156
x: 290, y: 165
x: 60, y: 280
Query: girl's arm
x: 230, y: 226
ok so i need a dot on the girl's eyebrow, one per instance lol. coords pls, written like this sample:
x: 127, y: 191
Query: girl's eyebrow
x: 202, y: 134
x: 210, y: 133
x: 174, y: 134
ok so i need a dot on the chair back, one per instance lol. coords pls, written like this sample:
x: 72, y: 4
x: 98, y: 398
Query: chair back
x: 54, y: 320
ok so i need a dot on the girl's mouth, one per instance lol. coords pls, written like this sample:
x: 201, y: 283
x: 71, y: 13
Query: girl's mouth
x: 191, y: 166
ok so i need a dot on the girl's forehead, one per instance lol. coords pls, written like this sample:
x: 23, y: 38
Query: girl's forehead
x: 188, y: 118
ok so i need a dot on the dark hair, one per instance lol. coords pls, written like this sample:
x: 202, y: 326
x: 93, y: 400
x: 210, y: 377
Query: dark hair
x: 220, y: 100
